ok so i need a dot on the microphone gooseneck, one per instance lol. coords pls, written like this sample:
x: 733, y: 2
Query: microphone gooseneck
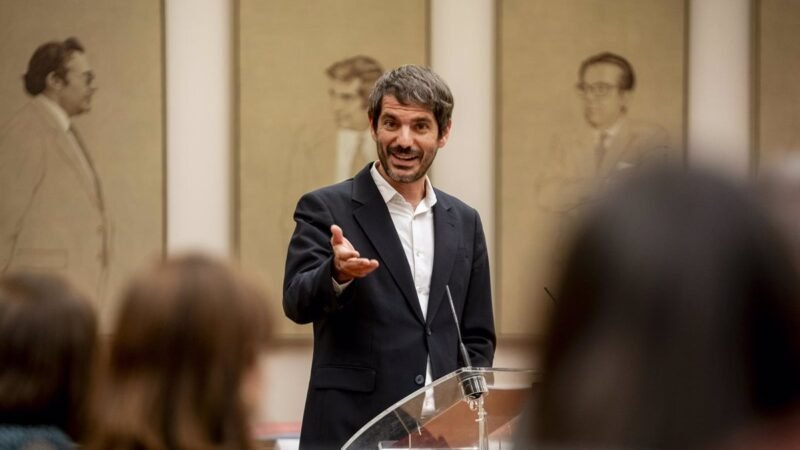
x: 473, y: 385
x: 462, y: 348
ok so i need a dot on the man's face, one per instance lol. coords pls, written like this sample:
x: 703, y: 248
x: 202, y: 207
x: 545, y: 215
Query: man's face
x: 349, y: 108
x: 603, y: 101
x: 76, y: 90
x: 407, y: 138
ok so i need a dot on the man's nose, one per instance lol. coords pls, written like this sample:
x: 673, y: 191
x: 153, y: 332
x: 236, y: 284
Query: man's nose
x: 404, y: 137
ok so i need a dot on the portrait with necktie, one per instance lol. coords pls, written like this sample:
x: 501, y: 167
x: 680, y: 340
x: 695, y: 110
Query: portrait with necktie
x: 53, y: 216
x: 578, y: 168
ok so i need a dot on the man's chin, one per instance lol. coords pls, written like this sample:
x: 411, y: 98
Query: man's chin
x: 404, y: 177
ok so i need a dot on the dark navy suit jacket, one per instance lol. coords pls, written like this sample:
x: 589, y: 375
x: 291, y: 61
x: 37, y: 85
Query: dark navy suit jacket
x: 371, y: 343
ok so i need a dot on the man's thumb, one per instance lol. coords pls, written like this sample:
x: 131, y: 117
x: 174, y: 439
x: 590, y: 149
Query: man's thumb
x: 336, y: 235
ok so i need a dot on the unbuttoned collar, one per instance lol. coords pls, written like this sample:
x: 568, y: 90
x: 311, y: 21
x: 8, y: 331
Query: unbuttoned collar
x: 388, y: 192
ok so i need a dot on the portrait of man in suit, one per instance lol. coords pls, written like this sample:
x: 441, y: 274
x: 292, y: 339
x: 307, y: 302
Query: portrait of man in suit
x: 52, y: 211
x: 351, y: 81
x: 612, y: 141
x: 370, y: 263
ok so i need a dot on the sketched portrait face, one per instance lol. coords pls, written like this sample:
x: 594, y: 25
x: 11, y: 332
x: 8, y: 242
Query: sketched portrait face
x: 349, y: 107
x: 604, y: 101
x: 75, y: 94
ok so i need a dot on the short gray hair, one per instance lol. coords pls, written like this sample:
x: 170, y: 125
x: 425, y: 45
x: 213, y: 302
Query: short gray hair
x: 417, y: 85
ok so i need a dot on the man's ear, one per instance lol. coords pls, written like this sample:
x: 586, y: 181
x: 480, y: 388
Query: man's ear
x: 372, y: 129
x: 53, y: 82
x: 446, y: 134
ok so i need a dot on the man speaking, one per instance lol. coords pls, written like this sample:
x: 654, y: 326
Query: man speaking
x: 369, y: 262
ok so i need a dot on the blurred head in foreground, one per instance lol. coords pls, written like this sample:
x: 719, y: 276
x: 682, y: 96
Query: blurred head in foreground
x: 676, y: 322
x: 48, y: 333
x: 183, y: 366
x: 779, y: 188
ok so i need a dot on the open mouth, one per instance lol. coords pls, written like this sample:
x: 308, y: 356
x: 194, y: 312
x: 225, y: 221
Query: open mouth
x: 403, y: 155
x: 403, y: 161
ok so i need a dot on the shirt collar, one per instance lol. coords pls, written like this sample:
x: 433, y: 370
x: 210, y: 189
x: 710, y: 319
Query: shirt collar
x: 58, y: 113
x: 611, y: 132
x: 388, y: 192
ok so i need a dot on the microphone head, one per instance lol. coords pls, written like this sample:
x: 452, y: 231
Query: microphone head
x: 473, y: 385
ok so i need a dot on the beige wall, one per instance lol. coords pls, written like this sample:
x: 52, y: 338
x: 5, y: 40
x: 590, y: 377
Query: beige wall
x: 778, y: 87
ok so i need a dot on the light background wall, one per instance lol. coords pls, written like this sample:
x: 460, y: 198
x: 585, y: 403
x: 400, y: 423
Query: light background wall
x: 200, y: 100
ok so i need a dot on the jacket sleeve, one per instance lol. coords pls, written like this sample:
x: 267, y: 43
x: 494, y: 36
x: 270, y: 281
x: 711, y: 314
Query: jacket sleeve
x: 22, y: 169
x: 308, y: 293
x: 477, y: 320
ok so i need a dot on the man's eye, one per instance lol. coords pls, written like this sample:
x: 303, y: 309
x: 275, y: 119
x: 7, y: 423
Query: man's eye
x: 422, y: 126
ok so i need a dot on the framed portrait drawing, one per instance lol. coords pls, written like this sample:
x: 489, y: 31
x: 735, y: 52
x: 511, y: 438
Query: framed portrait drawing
x: 82, y: 141
x: 777, y: 89
x: 304, y: 72
x: 587, y: 89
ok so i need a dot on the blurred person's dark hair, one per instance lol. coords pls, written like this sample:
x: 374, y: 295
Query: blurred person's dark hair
x: 676, y: 321
x: 48, y: 336
x: 778, y: 186
x: 190, y: 331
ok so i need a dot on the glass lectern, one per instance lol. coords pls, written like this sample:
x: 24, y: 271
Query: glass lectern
x: 471, y: 408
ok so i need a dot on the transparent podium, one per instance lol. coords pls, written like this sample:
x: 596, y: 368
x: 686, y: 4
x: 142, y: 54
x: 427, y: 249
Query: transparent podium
x: 471, y: 408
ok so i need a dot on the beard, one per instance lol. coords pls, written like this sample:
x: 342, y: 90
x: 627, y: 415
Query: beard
x: 383, y: 157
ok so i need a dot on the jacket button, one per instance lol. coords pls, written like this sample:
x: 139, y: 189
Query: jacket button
x: 428, y: 331
x: 419, y: 379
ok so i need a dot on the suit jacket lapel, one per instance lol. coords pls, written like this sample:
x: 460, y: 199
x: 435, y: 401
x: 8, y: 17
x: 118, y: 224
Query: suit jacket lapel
x: 69, y: 152
x: 374, y: 219
x: 445, y: 244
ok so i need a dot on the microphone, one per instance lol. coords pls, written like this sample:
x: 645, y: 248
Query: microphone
x: 473, y: 385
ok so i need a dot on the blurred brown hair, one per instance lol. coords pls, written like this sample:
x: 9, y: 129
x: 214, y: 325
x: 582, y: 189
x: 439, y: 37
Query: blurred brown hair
x: 189, y: 329
x: 48, y: 335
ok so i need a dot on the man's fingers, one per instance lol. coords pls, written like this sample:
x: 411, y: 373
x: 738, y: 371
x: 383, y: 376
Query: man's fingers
x: 358, y: 267
x: 342, y: 252
x: 337, y: 237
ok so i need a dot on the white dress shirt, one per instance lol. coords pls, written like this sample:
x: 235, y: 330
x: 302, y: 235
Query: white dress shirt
x: 415, y: 229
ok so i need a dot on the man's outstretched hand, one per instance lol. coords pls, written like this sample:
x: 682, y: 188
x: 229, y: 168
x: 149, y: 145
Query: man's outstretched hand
x: 347, y: 262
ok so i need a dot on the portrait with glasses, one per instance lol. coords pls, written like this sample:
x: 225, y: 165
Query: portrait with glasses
x: 585, y: 86
x: 82, y: 144
x: 575, y: 171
